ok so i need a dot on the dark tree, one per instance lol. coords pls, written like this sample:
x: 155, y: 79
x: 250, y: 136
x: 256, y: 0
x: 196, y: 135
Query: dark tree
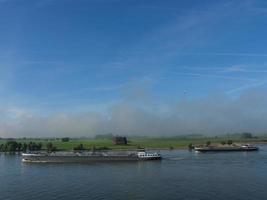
x: 24, y: 147
x: 79, y: 147
x: 1, y: 147
x: 30, y: 146
x: 190, y: 146
x: 50, y: 148
x: 19, y: 147
x: 40, y: 146
x: 66, y: 139
x: 229, y: 142
x: 12, y: 145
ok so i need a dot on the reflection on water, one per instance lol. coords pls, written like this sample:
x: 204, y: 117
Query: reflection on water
x: 180, y: 175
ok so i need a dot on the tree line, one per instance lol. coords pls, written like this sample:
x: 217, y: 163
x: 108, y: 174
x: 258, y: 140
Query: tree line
x: 14, y: 146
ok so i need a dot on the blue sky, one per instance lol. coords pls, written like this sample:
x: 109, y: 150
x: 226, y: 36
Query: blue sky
x: 66, y: 56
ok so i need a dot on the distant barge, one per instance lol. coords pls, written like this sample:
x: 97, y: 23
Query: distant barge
x: 85, y: 157
x: 227, y: 149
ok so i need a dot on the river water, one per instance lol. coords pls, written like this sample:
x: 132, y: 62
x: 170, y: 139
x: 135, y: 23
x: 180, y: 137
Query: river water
x: 180, y: 175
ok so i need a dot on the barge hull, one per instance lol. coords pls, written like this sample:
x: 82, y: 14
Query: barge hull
x: 225, y: 149
x: 82, y: 159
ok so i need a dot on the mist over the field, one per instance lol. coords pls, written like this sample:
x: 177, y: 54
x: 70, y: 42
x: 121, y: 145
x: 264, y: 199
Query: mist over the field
x: 212, y: 115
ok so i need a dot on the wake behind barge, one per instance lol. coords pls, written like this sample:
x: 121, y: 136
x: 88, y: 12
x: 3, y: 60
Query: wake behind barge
x: 85, y: 157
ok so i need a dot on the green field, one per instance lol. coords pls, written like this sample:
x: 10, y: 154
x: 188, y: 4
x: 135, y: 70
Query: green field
x: 135, y: 143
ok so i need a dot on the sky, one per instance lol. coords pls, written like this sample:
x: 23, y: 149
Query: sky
x: 132, y: 67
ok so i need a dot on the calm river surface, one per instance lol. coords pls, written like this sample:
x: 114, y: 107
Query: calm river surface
x: 180, y: 175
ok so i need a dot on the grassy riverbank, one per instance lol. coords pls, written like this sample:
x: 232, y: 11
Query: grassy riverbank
x: 136, y: 143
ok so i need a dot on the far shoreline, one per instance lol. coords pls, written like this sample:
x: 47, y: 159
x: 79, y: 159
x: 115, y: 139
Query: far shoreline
x: 134, y: 144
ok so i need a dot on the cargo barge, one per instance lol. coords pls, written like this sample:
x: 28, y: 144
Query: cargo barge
x: 85, y: 157
x: 226, y: 149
